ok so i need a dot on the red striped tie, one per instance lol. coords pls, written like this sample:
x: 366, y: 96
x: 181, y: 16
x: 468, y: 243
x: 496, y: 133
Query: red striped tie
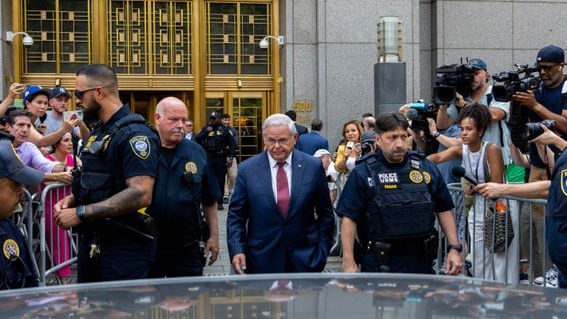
x: 283, y: 190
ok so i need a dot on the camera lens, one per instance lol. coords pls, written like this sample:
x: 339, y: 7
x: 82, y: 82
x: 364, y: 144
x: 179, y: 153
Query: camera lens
x: 534, y: 130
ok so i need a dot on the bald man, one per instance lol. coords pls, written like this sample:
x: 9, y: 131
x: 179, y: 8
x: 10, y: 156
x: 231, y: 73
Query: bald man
x: 185, y: 180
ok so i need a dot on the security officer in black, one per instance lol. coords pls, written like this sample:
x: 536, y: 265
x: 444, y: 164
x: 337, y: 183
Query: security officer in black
x: 219, y: 144
x: 117, y: 238
x: 185, y: 181
x: 16, y: 266
x: 390, y: 199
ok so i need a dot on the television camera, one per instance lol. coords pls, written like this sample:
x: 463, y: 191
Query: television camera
x: 452, y: 79
x: 524, y: 78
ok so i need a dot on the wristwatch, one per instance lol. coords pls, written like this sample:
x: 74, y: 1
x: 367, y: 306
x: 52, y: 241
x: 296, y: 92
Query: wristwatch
x: 436, y: 134
x: 457, y: 247
x: 81, y: 212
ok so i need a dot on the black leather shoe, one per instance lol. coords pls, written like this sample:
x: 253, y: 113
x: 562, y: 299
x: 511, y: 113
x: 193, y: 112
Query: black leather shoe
x: 220, y: 207
x: 225, y: 200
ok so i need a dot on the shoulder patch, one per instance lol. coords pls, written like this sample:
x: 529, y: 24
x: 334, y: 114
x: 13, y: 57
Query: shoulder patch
x: 11, y: 249
x: 563, y: 181
x: 140, y: 146
x: 415, y: 177
x: 427, y: 177
x: 191, y: 167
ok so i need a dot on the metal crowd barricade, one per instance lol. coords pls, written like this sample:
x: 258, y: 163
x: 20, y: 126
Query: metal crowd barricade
x: 58, y: 247
x: 470, y: 217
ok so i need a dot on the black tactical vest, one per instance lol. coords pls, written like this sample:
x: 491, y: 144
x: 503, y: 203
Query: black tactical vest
x: 215, y: 143
x: 402, y: 207
x: 97, y: 181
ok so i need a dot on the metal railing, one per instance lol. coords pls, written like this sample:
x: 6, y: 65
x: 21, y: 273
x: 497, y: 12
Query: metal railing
x: 57, y: 246
x: 472, y: 216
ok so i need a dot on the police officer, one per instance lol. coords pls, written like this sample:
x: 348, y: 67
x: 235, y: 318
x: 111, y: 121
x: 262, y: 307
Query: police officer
x: 117, y: 238
x: 16, y: 267
x: 390, y: 199
x: 185, y: 180
x: 219, y: 144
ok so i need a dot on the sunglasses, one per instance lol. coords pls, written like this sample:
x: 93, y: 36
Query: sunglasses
x: 546, y: 68
x: 79, y: 94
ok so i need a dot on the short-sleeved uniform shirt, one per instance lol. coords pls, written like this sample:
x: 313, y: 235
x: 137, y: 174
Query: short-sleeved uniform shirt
x: 185, y: 180
x: 14, y: 253
x: 361, y: 186
x: 555, y: 102
x: 556, y: 231
x: 133, y: 151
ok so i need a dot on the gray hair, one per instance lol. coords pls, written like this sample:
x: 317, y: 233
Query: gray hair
x: 279, y: 119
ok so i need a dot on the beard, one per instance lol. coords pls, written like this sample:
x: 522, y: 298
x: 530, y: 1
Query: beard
x: 91, y: 113
x: 551, y: 80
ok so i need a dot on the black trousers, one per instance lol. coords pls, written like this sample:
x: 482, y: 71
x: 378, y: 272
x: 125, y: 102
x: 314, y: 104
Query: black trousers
x: 123, y: 255
x: 412, y: 264
x: 177, y: 260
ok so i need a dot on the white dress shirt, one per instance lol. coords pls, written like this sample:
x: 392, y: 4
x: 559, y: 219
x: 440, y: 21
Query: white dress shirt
x: 274, y: 171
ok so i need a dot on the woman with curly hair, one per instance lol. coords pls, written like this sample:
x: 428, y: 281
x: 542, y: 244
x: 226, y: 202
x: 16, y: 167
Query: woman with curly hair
x: 482, y: 161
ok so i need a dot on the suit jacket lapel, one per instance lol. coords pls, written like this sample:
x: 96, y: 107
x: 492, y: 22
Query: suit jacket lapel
x: 297, y: 170
x: 264, y: 178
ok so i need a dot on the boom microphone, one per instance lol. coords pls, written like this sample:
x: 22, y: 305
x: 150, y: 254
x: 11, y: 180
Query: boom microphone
x: 459, y: 171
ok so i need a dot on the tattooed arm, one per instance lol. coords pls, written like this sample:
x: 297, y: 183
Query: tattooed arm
x: 137, y: 195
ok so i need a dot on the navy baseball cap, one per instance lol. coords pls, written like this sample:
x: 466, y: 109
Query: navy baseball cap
x: 214, y: 115
x: 31, y: 91
x: 477, y: 63
x: 12, y: 167
x: 551, y: 53
x: 58, y: 91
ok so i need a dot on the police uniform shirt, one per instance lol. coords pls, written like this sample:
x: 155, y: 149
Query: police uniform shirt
x: 133, y: 151
x: 556, y: 233
x: 360, y: 187
x: 15, y: 255
x: 184, y: 181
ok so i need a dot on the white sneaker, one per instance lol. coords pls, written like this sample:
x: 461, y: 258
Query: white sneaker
x: 550, y: 278
x: 524, y: 278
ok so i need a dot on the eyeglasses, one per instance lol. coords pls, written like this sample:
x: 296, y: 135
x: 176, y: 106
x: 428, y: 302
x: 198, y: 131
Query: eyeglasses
x: 79, y: 94
x: 546, y: 68
x: 281, y: 141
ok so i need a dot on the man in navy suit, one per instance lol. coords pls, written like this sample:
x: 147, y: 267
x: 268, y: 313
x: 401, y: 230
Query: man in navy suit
x: 272, y: 225
x: 311, y: 142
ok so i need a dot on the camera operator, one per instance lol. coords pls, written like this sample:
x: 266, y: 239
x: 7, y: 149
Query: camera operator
x: 481, y: 93
x: 548, y: 102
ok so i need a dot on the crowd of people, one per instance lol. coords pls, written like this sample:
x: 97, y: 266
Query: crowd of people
x: 144, y: 200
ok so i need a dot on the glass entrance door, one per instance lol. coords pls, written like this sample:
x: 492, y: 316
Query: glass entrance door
x: 247, y: 111
x: 144, y: 103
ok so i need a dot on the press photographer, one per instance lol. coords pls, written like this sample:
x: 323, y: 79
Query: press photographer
x: 480, y: 91
x: 419, y: 113
x: 548, y: 101
x: 521, y: 80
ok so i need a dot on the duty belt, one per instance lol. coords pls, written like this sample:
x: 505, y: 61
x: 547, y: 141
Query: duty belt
x: 406, y: 247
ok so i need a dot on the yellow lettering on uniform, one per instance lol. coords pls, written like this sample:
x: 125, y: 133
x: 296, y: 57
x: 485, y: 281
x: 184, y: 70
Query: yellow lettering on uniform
x: 390, y: 186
